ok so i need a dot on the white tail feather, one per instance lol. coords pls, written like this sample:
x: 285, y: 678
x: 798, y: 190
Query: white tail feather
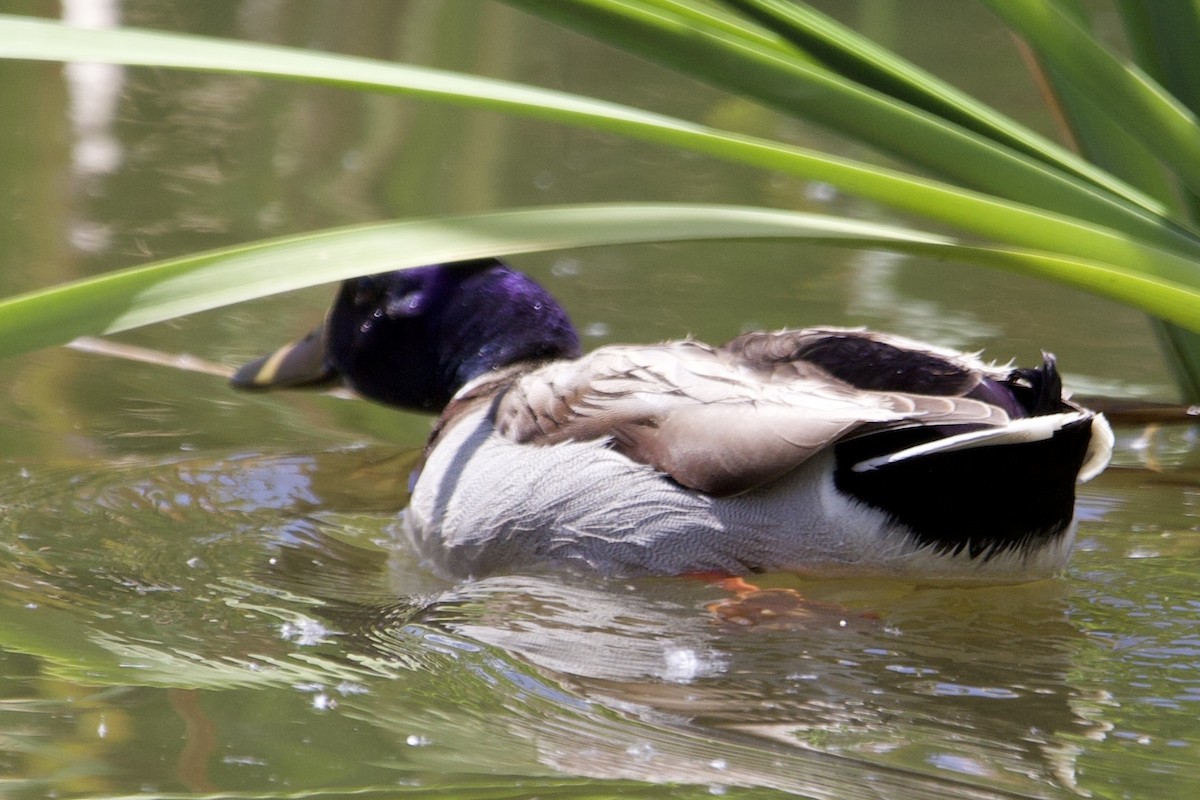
x: 1099, y: 449
x: 1018, y: 431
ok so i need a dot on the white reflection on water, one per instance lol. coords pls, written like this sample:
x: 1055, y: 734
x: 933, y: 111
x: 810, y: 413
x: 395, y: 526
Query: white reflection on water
x: 93, y: 91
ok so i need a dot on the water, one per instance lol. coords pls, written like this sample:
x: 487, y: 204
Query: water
x: 203, y: 592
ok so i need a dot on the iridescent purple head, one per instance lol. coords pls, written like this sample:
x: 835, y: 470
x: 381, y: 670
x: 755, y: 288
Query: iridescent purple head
x: 414, y: 337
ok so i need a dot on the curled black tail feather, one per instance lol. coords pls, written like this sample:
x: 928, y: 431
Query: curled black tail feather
x: 1039, y: 389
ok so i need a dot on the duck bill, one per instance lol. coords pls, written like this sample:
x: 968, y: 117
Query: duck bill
x: 301, y: 363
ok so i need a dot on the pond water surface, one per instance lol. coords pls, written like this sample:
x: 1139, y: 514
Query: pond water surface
x: 204, y: 593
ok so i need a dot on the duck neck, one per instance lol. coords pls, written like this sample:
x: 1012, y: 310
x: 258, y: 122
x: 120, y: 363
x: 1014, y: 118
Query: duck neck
x: 488, y: 345
x: 505, y: 319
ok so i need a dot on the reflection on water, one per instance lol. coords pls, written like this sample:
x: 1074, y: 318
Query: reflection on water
x: 878, y: 295
x: 867, y: 693
x: 283, y: 604
x: 93, y: 94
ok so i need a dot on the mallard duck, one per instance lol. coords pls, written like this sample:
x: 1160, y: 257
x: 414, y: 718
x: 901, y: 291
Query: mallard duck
x: 822, y: 451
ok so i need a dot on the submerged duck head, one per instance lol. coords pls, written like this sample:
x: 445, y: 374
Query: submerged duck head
x: 412, y: 338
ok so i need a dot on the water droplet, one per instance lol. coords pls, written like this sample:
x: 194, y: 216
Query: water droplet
x: 597, y: 330
x: 304, y: 632
x: 683, y: 665
x: 565, y: 268
x: 642, y: 751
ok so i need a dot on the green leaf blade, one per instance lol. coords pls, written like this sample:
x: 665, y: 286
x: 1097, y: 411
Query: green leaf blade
x: 988, y: 153
x: 152, y: 293
x: 860, y: 59
x: 1004, y: 221
x: 1162, y: 123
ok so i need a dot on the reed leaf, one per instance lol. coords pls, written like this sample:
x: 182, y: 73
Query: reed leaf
x: 1137, y: 240
x: 1071, y: 220
x: 1164, y: 125
x: 152, y: 293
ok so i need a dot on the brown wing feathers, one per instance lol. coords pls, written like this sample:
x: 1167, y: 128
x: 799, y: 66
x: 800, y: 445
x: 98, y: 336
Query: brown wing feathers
x: 727, y: 420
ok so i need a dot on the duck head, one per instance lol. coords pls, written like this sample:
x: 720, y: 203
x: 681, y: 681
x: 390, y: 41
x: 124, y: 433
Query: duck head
x: 414, y: 337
